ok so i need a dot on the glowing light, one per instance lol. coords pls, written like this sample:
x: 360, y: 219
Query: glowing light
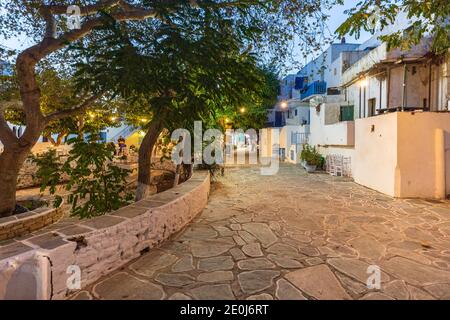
x: 113, y: 118
x: 242, y: 110
x: 142, y: 133
x: 92, y: 115
x: 363, y: 83
x: 143, y: 120
x: 284, y: 105
x: 227, y: 120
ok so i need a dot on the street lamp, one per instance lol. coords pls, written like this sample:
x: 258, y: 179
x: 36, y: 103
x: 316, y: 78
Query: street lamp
x: 363, y: 83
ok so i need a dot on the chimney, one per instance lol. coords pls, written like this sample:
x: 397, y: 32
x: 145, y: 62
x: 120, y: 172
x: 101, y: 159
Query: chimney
x: 343, y: 40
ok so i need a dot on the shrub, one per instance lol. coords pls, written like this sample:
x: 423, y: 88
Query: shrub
x: 92, y: 177
x: 311, y: 156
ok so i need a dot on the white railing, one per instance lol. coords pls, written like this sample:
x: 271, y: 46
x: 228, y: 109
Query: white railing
x: 125, y: 132
x: 299, y: 137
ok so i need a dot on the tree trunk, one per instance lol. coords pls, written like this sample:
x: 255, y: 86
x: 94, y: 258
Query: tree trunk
x: 145, y: 159
x: 176, y: 179
x: 16, y: 150
x: 11, y: 160
x: 60, y: 138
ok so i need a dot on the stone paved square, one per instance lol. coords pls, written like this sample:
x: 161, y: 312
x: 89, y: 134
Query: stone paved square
x: 294, y: 236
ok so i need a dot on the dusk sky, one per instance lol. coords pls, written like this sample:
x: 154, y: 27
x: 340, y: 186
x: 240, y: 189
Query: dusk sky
x: 337, y: 16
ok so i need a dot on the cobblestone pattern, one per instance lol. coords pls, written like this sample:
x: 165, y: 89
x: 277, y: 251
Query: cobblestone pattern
x: 294, y: 236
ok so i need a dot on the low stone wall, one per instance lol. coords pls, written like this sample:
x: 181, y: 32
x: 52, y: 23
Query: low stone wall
x: 24, y: 223
x: 26, y: 178
x: 41, y: 267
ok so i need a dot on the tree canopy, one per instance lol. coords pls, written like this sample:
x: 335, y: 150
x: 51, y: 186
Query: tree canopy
x: 429, y: 18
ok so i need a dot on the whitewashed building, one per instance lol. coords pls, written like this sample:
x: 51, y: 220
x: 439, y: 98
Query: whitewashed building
x: 391, y: 121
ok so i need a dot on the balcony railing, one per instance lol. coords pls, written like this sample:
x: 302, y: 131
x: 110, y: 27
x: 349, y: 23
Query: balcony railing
x: 299, y: 138
x: 318, y: 87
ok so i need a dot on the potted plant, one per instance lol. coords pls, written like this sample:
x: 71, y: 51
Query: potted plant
x: 310, y: 158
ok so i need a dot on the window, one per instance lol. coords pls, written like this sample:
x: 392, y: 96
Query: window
x: 295, y: 112
x: 335, y: 71
x: 346, y: 113
x: 372, y: 104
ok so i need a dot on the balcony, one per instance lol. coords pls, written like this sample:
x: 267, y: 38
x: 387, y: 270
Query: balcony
x: 315, y: 88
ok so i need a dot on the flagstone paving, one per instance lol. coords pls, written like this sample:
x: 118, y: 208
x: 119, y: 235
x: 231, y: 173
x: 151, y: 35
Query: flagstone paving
x: 294, y: 236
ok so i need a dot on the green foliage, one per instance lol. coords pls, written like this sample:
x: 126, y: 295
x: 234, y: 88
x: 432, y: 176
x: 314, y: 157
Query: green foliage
x: 269, y: 25
x: 311, y: 156
x: 429, y: 18
x: 58, y: 93
x: 49, y: 172
x: 96, y: 185
x: 95, y: 179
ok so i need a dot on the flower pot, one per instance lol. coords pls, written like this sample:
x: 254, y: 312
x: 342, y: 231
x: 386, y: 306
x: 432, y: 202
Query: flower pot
x: 310, y: 168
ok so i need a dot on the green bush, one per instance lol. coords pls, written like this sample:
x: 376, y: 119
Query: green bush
x: 48, y: 169
x: 311, y: 156
x: 96, y: 185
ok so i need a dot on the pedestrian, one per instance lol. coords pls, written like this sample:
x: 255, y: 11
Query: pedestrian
x: 122, y: 145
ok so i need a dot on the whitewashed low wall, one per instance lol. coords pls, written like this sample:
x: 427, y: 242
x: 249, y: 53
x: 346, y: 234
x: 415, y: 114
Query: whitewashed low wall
x: 339, y: 134
x: 37, y: 267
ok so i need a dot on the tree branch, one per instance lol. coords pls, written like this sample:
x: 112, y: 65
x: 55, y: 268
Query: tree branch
x: 49, y: 45
x: 7, y: 136
x: 73, y: 111
x: 85, y: 10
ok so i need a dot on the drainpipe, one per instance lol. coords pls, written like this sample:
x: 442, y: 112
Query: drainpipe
x: 404, y: 88
x: 381, y: 94
x: 429, y: 87
x: 388, y: 87
x: 360, y: 102
x: 365, y: 101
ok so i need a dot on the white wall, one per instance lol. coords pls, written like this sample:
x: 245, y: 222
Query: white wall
x: 335, y: 133
x: 375, y: 159
x: 398, y: 154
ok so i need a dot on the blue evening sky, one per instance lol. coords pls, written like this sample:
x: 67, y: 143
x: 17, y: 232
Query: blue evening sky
x: 337, y: 16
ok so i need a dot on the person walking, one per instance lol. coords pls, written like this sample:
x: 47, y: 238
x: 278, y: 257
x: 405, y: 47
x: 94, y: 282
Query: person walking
x: 122, y: 145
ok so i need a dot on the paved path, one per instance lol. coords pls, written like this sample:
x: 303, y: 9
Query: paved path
x: 295, y: 236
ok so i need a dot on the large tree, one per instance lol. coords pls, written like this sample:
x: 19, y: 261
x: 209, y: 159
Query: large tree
x: 276, y: 23
x: 57, y: 94
x: 193, y: 67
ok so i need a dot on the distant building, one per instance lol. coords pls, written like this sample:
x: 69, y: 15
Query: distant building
x: 5, y: 68
x: 322, y: 75
x: 290, y: 118
x: 380, y: 116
